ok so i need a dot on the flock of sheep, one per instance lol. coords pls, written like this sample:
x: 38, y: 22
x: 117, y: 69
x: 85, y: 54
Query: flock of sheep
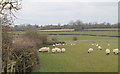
x: 58, y: 50
x: 115, y: 51
x: 54, y: 50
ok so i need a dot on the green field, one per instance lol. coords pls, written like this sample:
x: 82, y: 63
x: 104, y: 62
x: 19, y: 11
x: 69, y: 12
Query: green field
x: 111, y: 33
x: 76, y: 58
x: 88, y: 32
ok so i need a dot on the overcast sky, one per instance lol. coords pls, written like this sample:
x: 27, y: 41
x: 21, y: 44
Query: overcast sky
x: 43, y: 12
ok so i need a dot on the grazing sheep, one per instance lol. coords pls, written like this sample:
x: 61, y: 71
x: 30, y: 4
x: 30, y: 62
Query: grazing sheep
x: 44, y: 49
x: 99, y: 47
x: 90, y: 50
x: 58, y: 44
x: 53, y: 50
x: 63, y: 50
x: 96, y: 44
x: 116, y: 51
x: 92, y: 44
x: 53, y: 45
x: 107, y: 51
x: 41, y: 49
x: 58, y: 50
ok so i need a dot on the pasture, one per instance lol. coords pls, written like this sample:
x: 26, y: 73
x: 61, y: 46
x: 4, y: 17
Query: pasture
x: 76, y: 57
x: 110, y: 33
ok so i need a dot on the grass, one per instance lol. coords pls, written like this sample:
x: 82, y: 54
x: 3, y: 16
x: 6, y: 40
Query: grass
x: 112, y: 33
x: 76, y: 58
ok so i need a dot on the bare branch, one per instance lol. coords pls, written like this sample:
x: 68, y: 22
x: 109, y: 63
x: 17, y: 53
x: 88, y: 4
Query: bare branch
x: 8, y: 7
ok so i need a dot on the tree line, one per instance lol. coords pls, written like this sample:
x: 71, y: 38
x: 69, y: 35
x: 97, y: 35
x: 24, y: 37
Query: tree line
x: 76, y: 25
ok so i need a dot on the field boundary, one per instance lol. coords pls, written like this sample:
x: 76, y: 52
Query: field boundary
x: 80, y: 30
x: 87, y: 35
x: 100, y: 30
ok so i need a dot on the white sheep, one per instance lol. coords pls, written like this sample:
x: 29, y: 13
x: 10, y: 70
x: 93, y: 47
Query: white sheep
x: 99, y: 47
x: 44, y: 49
x: 58, y: 50
x: 96, y: 44
x: 53, y: 50
x: 107, y: 51
x: 90, y: 50
x: 58, y: 44
x: 47, y: 49
x: 63, y: 50
x: 116, y: 51
x: 41, y: 49
x: 92, y: 44
x: 53, y: 45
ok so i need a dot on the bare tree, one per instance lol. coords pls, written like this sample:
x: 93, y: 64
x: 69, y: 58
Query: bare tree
x: 7, y: 9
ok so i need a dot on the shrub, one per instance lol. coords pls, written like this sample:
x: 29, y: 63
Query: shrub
x: 23, y: 53
x: 20, y: 56
x: 32, y: 32
x: 43, y: 38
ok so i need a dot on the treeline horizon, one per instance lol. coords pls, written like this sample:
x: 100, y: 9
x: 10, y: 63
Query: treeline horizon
x: 76, y: 25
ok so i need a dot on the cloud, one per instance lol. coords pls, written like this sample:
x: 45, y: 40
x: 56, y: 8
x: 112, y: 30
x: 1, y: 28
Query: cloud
x: 71, y: 1
x: 63, y: 12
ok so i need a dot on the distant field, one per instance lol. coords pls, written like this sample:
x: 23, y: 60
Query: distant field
x: 58, y: 30
x: 76, y: 58
x: 112, y: 33
x: 100, y: 29
x: 116, y: 29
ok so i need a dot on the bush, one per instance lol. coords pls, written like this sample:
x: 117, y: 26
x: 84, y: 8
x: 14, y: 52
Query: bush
x: 32, y: 33
x: 23, y: 54
x: 43, y: 38
x: 20, y: 56
x: 75, y: 38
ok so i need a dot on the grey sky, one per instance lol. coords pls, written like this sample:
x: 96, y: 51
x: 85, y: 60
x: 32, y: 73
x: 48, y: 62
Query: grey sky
x: 44, y: 12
